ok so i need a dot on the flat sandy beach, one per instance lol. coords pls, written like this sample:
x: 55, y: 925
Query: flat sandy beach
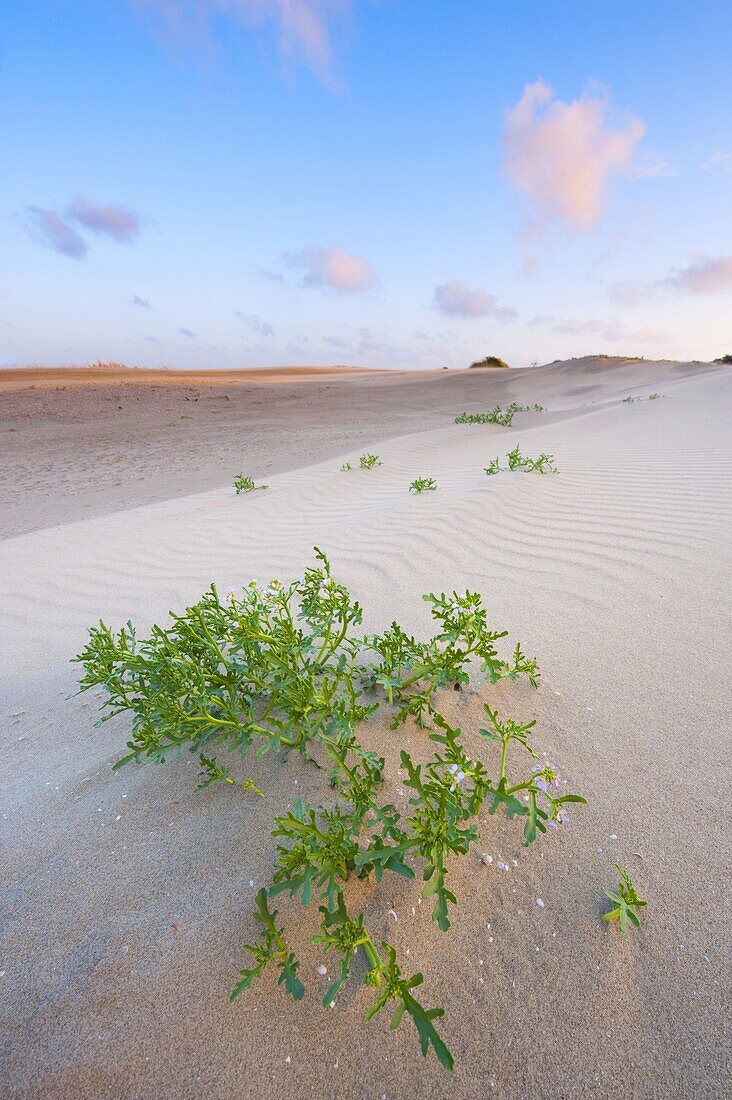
x: 126, y: 896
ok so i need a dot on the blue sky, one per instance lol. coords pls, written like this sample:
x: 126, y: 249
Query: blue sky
x: 393, y: 183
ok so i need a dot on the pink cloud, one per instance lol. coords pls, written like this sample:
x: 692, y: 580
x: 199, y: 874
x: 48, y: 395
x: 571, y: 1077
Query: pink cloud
x: 117, y: 222
x: 50, y: 229
x: 455, y: 299
x: 704, y: 275
x: 332, y: 268
x: 302, y: 28
x: 562, y: 155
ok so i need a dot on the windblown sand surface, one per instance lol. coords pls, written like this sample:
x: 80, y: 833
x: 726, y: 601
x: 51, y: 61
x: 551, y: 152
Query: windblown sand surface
x: 126, y: 897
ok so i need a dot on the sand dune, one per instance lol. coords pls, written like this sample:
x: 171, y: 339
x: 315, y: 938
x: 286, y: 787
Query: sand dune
x: 126, y: 897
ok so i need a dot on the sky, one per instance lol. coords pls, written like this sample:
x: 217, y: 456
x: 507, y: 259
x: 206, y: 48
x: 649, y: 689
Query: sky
x: 385, y: 183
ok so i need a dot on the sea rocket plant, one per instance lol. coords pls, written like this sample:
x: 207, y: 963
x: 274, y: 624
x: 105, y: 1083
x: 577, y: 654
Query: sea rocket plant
x: 497, y: 415
x: 543, y: 464
x: 283, y: 667
x: 244, y: 484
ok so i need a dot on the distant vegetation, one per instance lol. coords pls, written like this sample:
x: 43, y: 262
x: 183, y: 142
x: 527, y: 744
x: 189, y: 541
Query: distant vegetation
x: 724, y: 359
x: 497, y: 415
x: 489, y: 361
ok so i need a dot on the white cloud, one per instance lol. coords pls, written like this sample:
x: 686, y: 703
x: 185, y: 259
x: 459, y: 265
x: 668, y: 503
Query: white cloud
x: 332, y: 268
x: 455, y: 299
x: 302, y: 29
x: 562, y: 155
x: 704, y: 275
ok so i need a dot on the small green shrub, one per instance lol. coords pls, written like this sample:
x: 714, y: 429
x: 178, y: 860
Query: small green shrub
x: 365, y: 462
x: 244, y: 484
x: 627, y: 902
x: 543, y: 464
x: 423, y: 485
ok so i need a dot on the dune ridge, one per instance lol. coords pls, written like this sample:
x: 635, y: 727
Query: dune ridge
x: 126, y: 897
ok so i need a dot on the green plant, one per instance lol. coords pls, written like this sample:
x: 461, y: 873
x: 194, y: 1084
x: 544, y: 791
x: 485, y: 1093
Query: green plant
x: 627, y: 902
x: 282, y: 667
x: 275, y: 666
x: 654, y: 396
x: 497, y: 415
x: 542, y: 464
x: 423, y: 485
x: 244, y: 484
x: 365, y: 462
x: 630, y: 400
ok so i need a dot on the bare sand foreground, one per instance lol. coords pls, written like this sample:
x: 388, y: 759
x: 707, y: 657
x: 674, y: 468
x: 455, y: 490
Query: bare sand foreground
x: 126, y: 897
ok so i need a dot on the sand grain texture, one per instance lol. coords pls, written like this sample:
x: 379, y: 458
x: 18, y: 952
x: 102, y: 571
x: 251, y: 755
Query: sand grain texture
x: 126, y: 897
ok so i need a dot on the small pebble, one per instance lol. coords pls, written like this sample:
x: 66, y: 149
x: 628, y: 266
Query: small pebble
x: 321, y: 969
x: 540, y: 903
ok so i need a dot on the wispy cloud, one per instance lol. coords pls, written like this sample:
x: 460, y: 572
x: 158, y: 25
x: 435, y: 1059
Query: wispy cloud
x: 58, y: 231
x: 610, y: 329
x: 50, y: 229
x: 576, y: 326
x: 721, y: 161
x: 630, y: 292
x: 303, y: 29
x: 332, y: 268
x: 117, y: 222
x: 562, y: 155
x: 187, y: 332
x: 455, y: 299
x: 256, y: 324
x: 703, y: 275
x: 138, y: 301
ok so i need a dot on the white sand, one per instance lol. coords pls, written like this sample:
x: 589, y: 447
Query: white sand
x: 614, y: 573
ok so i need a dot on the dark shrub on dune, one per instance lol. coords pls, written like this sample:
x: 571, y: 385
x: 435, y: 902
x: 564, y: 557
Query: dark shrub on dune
x: 489, y: 361
x: 724, y: 359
